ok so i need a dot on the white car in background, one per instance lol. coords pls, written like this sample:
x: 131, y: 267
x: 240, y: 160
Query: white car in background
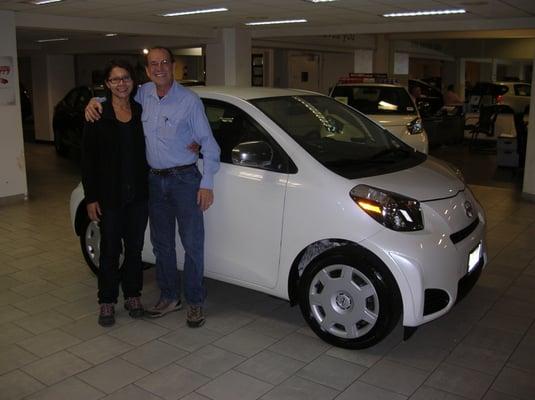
x: 317, y: 204
x: 517, y: 96
x: 387, y: 103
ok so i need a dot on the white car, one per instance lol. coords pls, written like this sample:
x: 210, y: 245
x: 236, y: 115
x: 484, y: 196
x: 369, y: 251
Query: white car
x: 390, y: 105
x: 317, y: 204
x: 517, y: 96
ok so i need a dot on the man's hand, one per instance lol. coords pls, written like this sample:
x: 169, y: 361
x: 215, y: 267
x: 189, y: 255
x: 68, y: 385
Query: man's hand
x: 194, y: 147
x: 93, y: 211
x: 93, y: 110
x: 205, y: 198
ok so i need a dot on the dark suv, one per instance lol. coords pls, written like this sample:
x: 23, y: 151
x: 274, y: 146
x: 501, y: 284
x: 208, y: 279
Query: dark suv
x: 68, y: 119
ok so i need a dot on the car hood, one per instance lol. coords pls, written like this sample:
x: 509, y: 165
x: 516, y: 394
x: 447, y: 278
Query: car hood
x: 391, y: 120
x: 433, y: 179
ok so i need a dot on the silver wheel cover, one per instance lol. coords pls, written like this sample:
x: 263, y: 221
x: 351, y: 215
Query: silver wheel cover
x: 92, y: 242
x: 343, y: 301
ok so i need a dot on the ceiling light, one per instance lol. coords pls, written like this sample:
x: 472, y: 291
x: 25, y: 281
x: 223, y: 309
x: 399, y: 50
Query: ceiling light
x: 145, y: 51
x: 208, y: 10
x: 319, y: 1
x: 41, y: 2
x: 110, y: 34
x: 423, y: 13
x: 61, y: 39
x: 288, y: 21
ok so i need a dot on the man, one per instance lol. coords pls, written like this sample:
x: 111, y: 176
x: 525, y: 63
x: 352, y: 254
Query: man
x: 451, y: 98
x: 173, y: 119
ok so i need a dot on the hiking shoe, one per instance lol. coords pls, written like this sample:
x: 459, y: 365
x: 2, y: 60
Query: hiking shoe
x: 134, y: 307
x: 106, y: 317
x: 163, y: 307
x: 195, y: 316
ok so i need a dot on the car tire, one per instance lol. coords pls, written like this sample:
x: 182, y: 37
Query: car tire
x: 349, y: 298
x: 90, y: 243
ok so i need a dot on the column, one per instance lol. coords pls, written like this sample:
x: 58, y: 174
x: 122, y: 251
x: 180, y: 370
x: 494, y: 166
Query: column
x: 53, y: 77
x: 381, y: 57
x: 13, y: 185
x: 228, y: 61
x: 528, y: 187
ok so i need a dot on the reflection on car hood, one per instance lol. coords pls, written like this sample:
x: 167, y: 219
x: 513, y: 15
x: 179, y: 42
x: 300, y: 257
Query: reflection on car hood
x: 430, y: 180
x: 393, y: 120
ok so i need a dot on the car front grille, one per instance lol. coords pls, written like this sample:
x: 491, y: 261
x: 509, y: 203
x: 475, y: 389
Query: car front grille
x: 464, y: 233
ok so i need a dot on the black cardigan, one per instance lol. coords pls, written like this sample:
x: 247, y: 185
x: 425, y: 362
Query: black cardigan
x: 101, y: 158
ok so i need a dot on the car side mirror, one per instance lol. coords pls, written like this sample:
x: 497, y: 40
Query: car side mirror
x: 252, y: 154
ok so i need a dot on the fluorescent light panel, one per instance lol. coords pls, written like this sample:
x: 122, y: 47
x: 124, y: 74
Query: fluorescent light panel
x: 110, y: 34
x: 41, y: 2
x: 52, y: 40
x: 319, y: 1
x: 287, y: 21
x: 424, y: 13
x: 193, y: 12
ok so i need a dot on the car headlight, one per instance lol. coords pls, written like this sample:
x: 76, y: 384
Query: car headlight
x: 415, y: 127
x: 392, y: 210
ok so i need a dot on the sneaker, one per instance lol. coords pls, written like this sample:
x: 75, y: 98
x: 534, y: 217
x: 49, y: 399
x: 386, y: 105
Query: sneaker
x: 106, y: 317
x: 134, y: 307
x: 195, y: 317
x: 163, y: 307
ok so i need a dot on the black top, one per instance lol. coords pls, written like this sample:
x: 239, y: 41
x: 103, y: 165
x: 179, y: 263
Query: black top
x: 114, y: 165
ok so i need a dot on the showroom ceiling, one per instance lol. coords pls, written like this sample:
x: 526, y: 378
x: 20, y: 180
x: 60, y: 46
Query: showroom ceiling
x: 91, y: 19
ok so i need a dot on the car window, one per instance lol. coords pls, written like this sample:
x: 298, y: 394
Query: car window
x: 232, y: 126
x: 376, y: 99
x: 337, y: 136
x: 522, y: 90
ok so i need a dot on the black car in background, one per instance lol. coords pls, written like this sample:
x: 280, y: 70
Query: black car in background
x: 68, y: 119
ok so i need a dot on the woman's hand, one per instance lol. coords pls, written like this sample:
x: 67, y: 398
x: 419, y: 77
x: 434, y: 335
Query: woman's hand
x: 93, y: 211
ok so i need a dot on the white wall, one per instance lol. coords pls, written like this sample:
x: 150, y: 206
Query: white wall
x: 334, y: 66
x: 13, y: 183
x: 53, y: 77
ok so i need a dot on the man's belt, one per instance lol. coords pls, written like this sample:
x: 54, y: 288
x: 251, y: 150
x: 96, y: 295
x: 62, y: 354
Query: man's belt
x: 170, y: 171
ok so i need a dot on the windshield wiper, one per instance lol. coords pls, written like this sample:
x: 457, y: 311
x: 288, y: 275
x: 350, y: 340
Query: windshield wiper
x: 391, y: 152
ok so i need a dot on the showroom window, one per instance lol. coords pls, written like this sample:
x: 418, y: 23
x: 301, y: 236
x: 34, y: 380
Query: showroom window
x: 232, y: 126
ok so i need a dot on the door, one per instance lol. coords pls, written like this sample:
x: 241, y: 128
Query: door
x: 304, y: 72
x: 243, y: 227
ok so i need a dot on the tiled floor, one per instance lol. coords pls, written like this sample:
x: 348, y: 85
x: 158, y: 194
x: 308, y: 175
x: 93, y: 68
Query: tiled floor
x: 252, y: 346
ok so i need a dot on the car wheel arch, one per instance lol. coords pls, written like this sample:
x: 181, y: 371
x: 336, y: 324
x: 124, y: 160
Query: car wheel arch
x: 79, y: 219
x: 316, y: 249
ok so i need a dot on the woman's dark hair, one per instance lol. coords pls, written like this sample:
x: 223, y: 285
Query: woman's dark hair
x: 124, y: 65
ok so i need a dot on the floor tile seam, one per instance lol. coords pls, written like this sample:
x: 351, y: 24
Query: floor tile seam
x: 65, y: 378
x: 294, y: 375
x: 505, y: 393
x: 397, y: 361
x: 69, y: 349
x: 144, y: 390
x: 331, y: 387
x: 491, y: 386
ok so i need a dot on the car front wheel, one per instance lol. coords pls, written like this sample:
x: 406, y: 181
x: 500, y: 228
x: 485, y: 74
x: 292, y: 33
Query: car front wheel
x: 349, y: 298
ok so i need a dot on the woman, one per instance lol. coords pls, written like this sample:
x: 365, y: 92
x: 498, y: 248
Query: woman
x: 114, y: 176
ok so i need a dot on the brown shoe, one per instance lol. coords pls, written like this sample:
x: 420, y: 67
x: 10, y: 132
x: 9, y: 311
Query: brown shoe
x: 163, y: 307
x: 195, y: 317
x: 134, y: 307
x: 106, y: 317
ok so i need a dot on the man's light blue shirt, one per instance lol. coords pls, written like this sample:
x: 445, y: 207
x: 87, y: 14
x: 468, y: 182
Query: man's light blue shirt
x: 171, y: 124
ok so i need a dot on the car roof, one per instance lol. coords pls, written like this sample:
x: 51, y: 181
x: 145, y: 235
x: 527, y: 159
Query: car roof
x: 248, y: 93
x: 371, y: 84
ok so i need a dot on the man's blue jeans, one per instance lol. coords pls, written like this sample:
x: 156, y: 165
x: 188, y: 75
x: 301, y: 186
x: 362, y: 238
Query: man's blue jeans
x: 172, y: 199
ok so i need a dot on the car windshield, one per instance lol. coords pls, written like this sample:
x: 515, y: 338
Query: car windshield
x: 340, y: 138
x: 376, y: 99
